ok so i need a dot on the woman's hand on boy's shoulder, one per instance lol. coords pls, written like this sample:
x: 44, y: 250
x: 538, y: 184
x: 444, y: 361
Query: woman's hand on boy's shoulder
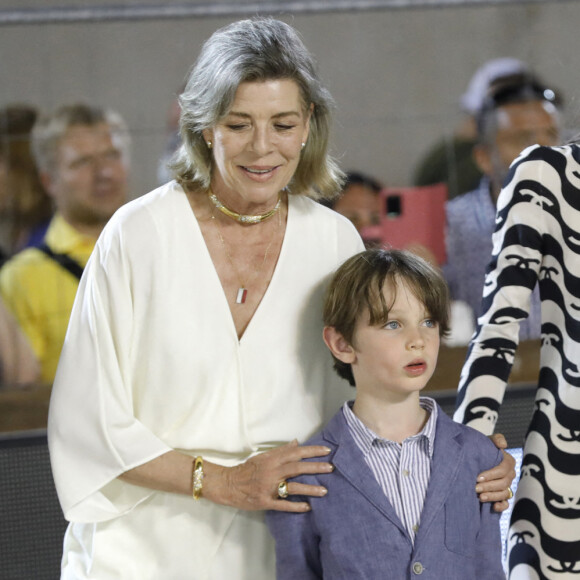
x: 265, y: 480
x: 494, y: 485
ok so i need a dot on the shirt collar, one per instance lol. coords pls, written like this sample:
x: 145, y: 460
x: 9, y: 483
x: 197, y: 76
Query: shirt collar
x: 365, y: 437
x: 64, y: 239
x: 484, y: 190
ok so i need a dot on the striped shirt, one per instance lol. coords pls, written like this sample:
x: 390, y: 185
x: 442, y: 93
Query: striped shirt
x: 402, y: 470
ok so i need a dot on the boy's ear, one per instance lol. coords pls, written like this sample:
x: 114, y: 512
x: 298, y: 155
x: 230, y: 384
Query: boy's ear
x: 338, y: 345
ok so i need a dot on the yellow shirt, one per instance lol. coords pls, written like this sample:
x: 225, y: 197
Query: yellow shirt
x: 41, y: 293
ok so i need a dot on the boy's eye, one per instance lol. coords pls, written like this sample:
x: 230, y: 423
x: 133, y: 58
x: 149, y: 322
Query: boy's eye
x: 392, y: 325
x: 430, y: 323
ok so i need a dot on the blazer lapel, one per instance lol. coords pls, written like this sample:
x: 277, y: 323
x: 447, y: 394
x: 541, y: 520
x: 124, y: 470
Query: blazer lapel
x: 447, y: 457
x: 350, y: 463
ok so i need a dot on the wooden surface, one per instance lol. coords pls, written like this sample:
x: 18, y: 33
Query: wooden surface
x: 525, y: 369
x: 25, y: 409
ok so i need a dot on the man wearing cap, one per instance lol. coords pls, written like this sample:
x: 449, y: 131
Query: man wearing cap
x: 519, y: 111
x: 450, y: 160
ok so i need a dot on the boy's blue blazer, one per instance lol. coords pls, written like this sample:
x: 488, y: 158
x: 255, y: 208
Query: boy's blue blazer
x: 354, y: 533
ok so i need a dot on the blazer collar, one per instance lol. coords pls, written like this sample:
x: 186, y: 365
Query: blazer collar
x: 448, y: 455
x: 350, y: 463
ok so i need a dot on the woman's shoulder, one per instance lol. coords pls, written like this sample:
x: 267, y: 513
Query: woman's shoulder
x: 168, y: 196
x: 540, y: 177
x: 150, y: 209
x: 545, y: 152
x: 325, y: 223
x: 531, y: 162
x: 305, y: 205
x: 143, y: 223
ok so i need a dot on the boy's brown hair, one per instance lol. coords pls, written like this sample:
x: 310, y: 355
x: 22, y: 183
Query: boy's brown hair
x: 357, y: 287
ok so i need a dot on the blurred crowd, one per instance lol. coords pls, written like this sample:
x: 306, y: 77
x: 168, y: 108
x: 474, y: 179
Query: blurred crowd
x: 64, y: 173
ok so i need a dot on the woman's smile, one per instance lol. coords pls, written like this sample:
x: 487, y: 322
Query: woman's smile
x: 259, y: 174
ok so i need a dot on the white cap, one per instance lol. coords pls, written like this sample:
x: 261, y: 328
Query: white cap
x: 484, y: 76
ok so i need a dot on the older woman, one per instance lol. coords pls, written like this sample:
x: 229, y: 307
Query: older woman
x: 194, y: 351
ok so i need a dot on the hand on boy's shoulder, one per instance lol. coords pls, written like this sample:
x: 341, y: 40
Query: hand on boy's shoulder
x: 319, y: 440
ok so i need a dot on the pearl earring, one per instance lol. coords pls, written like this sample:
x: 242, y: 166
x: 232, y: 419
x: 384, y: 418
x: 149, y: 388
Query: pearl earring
x: 303, y: 144
x: 209, y: 144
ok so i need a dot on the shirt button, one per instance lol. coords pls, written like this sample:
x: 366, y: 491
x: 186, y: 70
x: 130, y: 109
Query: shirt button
x: 415, y: 528
x: 405, y: 472
x: 418, y: 568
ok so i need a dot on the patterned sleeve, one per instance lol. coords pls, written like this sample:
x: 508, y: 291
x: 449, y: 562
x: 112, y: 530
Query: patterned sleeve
x: 525, y: 246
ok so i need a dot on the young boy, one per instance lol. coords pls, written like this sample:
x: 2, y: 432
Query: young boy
x: 401, y: 500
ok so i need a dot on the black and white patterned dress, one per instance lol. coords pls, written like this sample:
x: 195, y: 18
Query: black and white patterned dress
x: 536, y: 241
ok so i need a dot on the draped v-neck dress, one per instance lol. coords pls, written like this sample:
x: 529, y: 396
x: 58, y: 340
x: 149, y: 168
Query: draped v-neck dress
x: 152, y: 362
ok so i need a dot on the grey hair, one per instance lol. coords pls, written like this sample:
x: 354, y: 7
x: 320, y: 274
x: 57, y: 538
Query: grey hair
x: 50, y: 129
x: 254, y: 50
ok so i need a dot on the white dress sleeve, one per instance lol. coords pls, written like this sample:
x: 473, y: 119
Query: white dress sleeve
x: 93, y: 433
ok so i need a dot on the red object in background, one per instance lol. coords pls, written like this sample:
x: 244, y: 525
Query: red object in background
x: 411, y: 216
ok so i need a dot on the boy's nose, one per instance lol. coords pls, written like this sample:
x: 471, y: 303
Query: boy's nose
x: 416, y: 341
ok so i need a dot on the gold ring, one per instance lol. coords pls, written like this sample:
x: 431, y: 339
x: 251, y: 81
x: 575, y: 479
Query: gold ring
x: 283, y: 489
x: 510, y: 493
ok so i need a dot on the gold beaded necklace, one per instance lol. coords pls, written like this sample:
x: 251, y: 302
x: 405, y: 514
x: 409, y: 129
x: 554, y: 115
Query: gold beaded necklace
x: 244, y: 219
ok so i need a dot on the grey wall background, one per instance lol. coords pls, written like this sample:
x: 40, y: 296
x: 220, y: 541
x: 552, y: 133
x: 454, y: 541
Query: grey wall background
x: 396, y: 74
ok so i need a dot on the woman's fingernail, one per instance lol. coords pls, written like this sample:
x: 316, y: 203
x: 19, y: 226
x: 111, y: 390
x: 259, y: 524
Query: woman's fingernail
x: 477, y: 488
x: 323, y: 491
x: 481, y: 478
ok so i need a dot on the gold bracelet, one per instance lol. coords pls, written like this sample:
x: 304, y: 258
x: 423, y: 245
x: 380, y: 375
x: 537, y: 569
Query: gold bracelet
x: 197, y: 485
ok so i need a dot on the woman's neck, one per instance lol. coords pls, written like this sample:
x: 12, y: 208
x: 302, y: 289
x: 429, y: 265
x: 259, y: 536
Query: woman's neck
x: 244, y: 256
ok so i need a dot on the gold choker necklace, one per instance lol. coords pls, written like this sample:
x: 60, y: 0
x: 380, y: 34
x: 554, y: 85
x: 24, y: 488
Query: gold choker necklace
x: 242, y: 292
x: 244, y: 219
